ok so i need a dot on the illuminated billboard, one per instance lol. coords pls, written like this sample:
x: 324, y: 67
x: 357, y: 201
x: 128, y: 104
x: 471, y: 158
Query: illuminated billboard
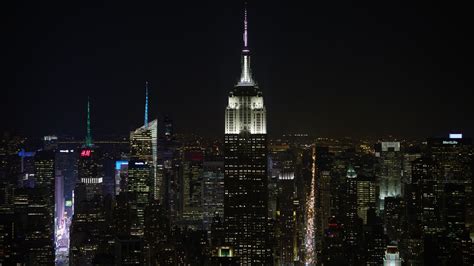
x: 86, y: 153
x: 455, y: 136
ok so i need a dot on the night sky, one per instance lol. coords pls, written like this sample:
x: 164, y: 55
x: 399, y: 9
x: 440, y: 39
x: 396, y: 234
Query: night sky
x: 330, y: 68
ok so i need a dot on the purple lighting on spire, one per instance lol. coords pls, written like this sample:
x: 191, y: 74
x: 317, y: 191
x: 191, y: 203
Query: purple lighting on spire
x: 245, y: 28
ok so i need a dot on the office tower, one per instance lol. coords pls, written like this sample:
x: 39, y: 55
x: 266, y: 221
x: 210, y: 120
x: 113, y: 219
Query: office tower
x: 279, y: 156
x: 453, y: 157
x: 191, y: 246
x: 285, y: 208
x: 87, y: 232
x: 411, y: 243
x: 191, y: 215
x: 7, y: 218
x: 34, y: 227
x: 172, y: 182
x: 10, y: 169
x: 59, y: 202
x: 143, y: 146
x: 26, y: 177
x: 393, y: 215
x: 45, y: 171
x: 168, y: 123
x: 424, y: 175
x: 352, y: 222
x: 455, y: 208
x: 444, y: 179
x: 88, y: 222
x: 323, y: 193
x: 456, y: 231
x: 66, y: 167
x: 389, y: 170
x: 245, y: 168
x: 338, y: 185
x: 374, y: 239
x: 143, y: 143
x: 90, y: 170
x: 324, y: 199
x: 27, y: 213
x: 410, y: 154
x: 139, y: 184
x: 121, y: 176
x: 224, y: 255
x: 288, y: 216
x: 333, y: 252
x: 128, y: 250
x: 90, y: 173
x: 157, y: 235
x: 39, y: 239
x: 212, y: 192
x: 166, y: 169
x: 392, y: 257
x: 50, y: 142
x: 140, y: 180
x: 366, y: 196
x: 45, y: 176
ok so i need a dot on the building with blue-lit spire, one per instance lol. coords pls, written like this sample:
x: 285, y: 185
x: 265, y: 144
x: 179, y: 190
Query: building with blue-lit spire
x: 143, y: 146
x: 245, y: 167
x: 142, y: 173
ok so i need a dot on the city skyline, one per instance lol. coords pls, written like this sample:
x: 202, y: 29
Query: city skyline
x: 277, y: 184
x: 374, y: 68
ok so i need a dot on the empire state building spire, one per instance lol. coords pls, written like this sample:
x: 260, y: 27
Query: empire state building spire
x: 246, y: 75
x: 245, y: 28
x: 246, y: 110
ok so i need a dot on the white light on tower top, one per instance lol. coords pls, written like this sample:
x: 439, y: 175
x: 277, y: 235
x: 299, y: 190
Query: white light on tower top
x: 455, y: 136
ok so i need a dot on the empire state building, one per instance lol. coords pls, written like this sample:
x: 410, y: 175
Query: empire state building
x: 245, y: 168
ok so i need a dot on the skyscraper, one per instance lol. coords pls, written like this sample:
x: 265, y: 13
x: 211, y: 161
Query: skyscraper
x: 143, y: 146
x: 351, y: 220
x: 66, y: 166
x: 392, y: 257
x: 366, y: 196
x: 89, y: 167
x: 389, y: 170
x: 139, y: 183
x: 168, y: 124
x: 212, y: 191
x: 287, y: 216
x: 88, y: 221
x: 40, y: 239
x: 192, y: 174
x: 245, y: 167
